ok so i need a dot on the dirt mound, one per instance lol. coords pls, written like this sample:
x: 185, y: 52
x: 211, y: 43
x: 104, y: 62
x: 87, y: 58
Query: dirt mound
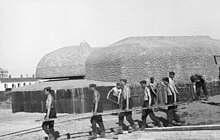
x: 197, y: 113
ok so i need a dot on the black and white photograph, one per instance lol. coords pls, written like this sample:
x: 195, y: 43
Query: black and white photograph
x: 109, y: 69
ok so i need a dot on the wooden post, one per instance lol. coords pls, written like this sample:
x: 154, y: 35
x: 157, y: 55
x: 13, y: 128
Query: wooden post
x: 13, y: 103
x: 42, y: 103
x: 82, y: 98
x: 23, y: 102
x: 73, y: 100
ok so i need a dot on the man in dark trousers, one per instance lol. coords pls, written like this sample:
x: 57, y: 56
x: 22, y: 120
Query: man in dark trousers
x: 48, y: 125
x: 148, y: 103
x: 199, y: 83
x: 97, y: 108
x: 126, y: 105
x: 172, y: 117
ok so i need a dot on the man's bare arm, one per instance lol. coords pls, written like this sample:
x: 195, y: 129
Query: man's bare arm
x: 109, y: 93
x: 150, y: 99
x: 96, y: 101
x: 153, y: 91
x: 119, y: 96
x: 194, y: 90
x: 127, y: 96
x: 49, y: 106
x: 177, y: 92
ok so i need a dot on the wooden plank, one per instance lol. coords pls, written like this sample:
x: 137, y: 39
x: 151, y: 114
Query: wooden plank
x: 186, y: 128
x: 88, y: 115
x: 106, y: 113
x: 173, y: 135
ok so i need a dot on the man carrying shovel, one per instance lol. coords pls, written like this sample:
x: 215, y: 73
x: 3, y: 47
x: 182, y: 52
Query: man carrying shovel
x: 199, y: 84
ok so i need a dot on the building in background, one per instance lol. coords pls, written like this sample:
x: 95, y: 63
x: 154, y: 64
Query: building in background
x: 3, y: 73
x: 7, y: 84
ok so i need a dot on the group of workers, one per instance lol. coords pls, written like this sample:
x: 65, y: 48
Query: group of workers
x: 120, y: 96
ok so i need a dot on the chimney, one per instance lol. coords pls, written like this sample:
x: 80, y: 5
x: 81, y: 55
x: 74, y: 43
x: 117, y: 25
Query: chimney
x: 21, y: 76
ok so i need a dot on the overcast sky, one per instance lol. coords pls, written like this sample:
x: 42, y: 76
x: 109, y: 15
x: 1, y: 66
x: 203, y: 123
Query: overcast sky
x: 29, y: 29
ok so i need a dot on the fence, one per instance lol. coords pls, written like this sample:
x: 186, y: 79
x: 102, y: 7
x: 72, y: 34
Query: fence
x: 79, y: 100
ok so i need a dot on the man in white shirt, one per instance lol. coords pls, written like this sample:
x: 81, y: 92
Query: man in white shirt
x: 172, y: 117
x: 153, y: 90
x: 148, y: 103
x: 172, y: 86
x: 126, y: 106
x: 114, y: 95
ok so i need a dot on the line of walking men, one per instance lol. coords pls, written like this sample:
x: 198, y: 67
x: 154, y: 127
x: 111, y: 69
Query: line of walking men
x: 123, y: 91
x: 150, y: 93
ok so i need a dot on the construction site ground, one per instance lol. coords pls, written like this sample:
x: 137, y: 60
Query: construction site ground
x: 194, y: 113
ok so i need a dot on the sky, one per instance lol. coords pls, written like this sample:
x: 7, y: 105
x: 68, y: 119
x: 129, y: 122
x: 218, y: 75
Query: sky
x: 29, y: 29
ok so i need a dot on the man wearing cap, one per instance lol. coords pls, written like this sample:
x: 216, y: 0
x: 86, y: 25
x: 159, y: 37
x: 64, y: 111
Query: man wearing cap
x: 48, y: 125
x: 126, y: 105
x: 148, y: 103
x: 97, y: 108
x: 199, y: 83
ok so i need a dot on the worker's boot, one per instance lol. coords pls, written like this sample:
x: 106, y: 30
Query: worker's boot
x: 93, y: 136
x: 143, y: 126
x: 160, y: 124
x: 206, y: 98
x: 102, y: 129
x: 51, y: 137
x: 102, y: 135
x: 119, y: 131
x: 133, y: 129
x: 199, y: 98
x: 176, y: 123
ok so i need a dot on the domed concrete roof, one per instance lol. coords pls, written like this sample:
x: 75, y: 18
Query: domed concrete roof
x: 138, y: 58
x: 64, y: 62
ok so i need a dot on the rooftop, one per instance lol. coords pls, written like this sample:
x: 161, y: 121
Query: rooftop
x: 66, y: 84
x: 11, y: 80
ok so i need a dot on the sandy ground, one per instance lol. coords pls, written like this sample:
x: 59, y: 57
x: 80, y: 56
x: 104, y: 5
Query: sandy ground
x: 199, y: 113
x: 194, y: 113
